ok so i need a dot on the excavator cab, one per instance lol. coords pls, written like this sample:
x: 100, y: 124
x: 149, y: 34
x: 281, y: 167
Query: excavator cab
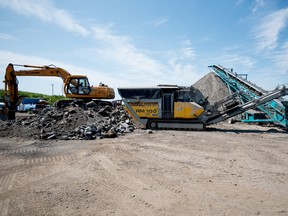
x: 76, y: 85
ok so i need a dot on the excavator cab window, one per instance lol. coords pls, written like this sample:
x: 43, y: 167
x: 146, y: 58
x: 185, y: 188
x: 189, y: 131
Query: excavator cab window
x: 78, y: 86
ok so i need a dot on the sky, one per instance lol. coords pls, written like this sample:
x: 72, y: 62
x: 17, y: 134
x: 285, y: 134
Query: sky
x: 137, y: 43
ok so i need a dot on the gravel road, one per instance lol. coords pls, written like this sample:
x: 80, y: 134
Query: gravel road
x: 234, y: 169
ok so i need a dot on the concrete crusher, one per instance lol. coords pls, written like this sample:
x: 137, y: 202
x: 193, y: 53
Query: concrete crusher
x: 177, y: 107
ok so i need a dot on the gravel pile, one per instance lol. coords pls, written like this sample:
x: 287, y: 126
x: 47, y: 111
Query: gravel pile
x: 78, y: 121
x: 212, y: 87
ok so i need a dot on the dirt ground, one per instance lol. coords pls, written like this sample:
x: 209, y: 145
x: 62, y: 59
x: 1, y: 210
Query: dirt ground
x: 237, y: 169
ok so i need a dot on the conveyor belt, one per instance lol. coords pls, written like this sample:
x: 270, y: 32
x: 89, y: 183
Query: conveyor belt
x: 275, y: 110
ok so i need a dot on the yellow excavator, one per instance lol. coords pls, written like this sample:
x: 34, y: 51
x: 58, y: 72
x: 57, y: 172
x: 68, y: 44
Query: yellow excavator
x: 75, y: 86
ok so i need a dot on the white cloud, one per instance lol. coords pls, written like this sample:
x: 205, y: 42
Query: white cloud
x: 257, y: 5
x: 182, y: 73
x: 267, y: 33
x: 160, y: 21
x: 280, y: 58
x: 139, y: 66
x: 4, y: 36
x: 231, y: 60
x: 239, y: 2
x: 120, y: 50
x: 182, y: 67
x: 47, y: 12
x: 6, y: 56
x: 188, y: 52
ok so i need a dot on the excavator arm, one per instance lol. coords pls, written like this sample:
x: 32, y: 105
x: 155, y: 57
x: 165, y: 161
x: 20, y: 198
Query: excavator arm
x: 11, y: 98
x: 50, y: 70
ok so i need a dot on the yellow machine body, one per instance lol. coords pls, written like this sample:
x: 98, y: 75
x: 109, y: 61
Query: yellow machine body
x: 164, y: 106
x: 187, y: 110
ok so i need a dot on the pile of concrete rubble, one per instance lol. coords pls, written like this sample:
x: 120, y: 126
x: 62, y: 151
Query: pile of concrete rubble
x: 76, y: 121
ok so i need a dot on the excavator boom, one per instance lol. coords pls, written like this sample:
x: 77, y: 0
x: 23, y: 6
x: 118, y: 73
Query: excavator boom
x: 36, y: 71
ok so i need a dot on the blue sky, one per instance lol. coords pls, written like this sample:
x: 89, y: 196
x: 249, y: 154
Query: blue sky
x: 145, y: 43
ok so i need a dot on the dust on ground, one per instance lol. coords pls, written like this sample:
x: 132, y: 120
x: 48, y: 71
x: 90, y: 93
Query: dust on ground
x: 237, y: 169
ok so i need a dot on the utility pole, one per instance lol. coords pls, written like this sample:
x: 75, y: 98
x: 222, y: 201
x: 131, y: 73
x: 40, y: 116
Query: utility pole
x: 52, y: 89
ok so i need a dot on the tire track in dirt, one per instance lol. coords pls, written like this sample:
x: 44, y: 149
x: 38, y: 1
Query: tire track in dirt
x: 27, y: 151
x: 125, y: 155
x: 267, y: 164
x: 120, y: 191
x: 173, y: 158
x: 34, y: 170
x: 38, y: 155
x: 38, y: 175
x: 163, y: 185
x: 122, y: 183
x: 6, y: 183
x: 51, y: 158
x: 176, y: 154
x: 119, y: 182
x: 155, y: 186
x: 260, y: 178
